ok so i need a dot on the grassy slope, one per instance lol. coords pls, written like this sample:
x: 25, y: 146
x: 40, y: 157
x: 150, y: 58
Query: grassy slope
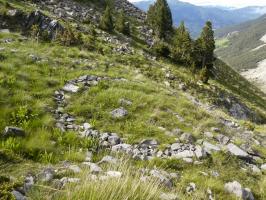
x: 27, y: 87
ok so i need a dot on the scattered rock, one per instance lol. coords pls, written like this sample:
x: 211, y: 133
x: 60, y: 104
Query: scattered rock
x: 13, y: 132
x: 222, y: 139
x: 114, y: 174
x: 108, y: 159
x: 163, y: 177
x: 46, y: 175
x: 18, y: 195
x: 127, y: 148
x: 236, y: 188
x: 235, y: 150
x: 208, y: 134
x: 94, y: 168
x: 114, y: 140
x: 119, y: 113
x: 209, y: 148
x: 74, y: 168
x: 125, y: 102
x: 263, y: 167
x: 28, y: 183
x: 200, y: 152
x: 87, y: 126
x: 191, y: 188
x: 71, y: 88
x: 149, y: 143
x: 254, y: 169
x: 187, y: 138
x: 66, y: 180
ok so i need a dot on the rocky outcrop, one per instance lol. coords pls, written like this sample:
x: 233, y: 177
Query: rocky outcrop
x: 130, y: 9
x: 17, y: 20
x: 45, y: 24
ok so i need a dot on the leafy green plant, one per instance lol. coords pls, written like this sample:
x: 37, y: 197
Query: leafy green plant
x: 12, y: 144
x: 22, y: 116
x: 47, y: 157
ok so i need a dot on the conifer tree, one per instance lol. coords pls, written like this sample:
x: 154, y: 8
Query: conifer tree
x: 206, y: 43
x: 106, y: 22
x: 122, y: 25
x: 182, y: 44
x: 159, y: 17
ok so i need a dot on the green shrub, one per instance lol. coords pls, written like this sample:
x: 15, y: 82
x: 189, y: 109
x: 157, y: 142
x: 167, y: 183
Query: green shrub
x: 161, y: 49
x: 70, y: 36
x: 106, y: 22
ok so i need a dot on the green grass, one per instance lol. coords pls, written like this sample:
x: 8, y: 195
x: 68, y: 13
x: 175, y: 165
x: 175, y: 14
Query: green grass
x: 27, y: 88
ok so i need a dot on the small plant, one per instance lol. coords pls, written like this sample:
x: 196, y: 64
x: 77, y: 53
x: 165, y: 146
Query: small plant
x: 11, y: 144
x: 46, y: 157
x: 249, y: 125
x: 204, y: 75
x: 35, y: 32
x: 22, y: 116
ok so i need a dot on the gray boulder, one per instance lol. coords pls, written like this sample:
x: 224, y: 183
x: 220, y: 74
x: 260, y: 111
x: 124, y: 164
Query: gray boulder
x: 209, y: 148
x: 187, y: 138
x: 119, y: 113
x: 46, y: 175
x: 235, y: 150
x: 108, y: 159
x: 114, y: 174
x: 18, y: 195
x: 94, y: 168
x: 191, y: 188
x: 71, y: 88
x: 125, y: 102
x: 222, y: 139
x: 114, y: 140
x: 236, y: 189
x: 163, y: 177
x: 13, y: 132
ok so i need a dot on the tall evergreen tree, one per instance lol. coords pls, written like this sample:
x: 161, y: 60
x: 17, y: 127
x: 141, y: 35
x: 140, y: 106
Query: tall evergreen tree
x: 122, y: 25
x: 182, y: 44
x: 206, y: 44
x: 106, y: 22
x: 159, y: 17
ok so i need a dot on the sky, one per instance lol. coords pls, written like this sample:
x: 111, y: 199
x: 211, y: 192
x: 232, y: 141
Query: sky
x: 226, y: 3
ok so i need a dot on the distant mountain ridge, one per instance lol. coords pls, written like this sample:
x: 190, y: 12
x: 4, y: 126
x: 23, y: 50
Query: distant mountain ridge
x: 243, y: 46
x: 195, y: 16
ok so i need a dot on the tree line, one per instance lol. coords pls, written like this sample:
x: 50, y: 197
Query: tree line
x: 171, y: 42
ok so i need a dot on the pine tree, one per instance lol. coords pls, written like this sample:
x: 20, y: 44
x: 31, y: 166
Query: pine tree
x: 106, y: 22
x: 122, y: 25
x: 206, y: 43
x: 159, y: 17
x: 182, y: 45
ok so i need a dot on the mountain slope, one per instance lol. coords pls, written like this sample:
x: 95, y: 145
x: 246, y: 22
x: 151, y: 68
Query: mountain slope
x: 245, y: 49
x: 87, y: 114
x: 196, y: 16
